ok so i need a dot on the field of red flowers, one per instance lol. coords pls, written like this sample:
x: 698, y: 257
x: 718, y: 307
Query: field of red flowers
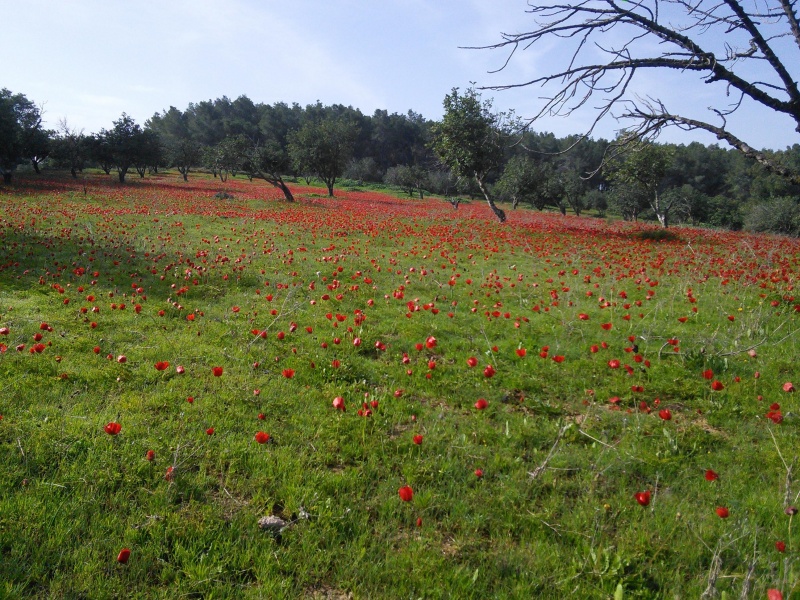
x: 368, y: 396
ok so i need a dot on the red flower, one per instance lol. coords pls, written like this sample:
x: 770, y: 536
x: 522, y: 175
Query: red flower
x: 722, y: 512
x: 288, y: 373
x: 170, y: 473
x: 583, y: 317
x: 643, y: 498
x: 161, y: 365
x: 717, y: 386
x: 489, y: 371
x: 150, y: 456
x: 665, y: 414
x: 417, y: 439
x: 210, y: 431
x: 478, y: 473
x: 481, y: 404
x: 773, y: 594
x: 405, y: 493
x: 788, y: 387
x: 262, y: 437
x: 430, y: 343
x: 217, y: 371
x: 606, y: 326
x: 775, y: 416
x: 711, y: 475
x: 613, y: 363
x: 708, y: 374
x: 112, y: 428
x: 122, y: 359
x: 780, y: 546
x: 683, y: 319
x: 521, y: 352
x: 338, y: 403
x: 123, y: 556
x: 558, y: 358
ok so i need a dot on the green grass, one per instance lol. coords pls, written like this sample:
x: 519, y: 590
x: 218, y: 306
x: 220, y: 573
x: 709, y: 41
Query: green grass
x: 553, y: 514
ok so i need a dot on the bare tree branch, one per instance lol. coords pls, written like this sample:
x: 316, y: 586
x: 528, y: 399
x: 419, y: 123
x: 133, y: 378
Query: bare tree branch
x: 727, y: 41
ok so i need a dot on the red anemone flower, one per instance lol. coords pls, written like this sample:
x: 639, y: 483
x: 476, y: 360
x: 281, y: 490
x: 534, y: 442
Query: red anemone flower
x: 711, y: 475
x: 112, y: 428
x: 217, y: 371
x: 722, y: 512
x: 123, y: 556
x: 481, y: 404
x: 262, y: 437
x: 642, y: 498
x: 406, y: 493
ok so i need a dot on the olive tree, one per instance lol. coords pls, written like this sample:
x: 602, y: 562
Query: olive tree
x: 471, y: 140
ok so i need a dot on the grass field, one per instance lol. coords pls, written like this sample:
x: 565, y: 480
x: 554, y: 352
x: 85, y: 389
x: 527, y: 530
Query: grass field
x: 436, y: 405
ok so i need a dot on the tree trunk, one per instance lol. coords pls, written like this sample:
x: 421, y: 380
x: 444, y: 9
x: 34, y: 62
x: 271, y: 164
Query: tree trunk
x: 499, y: 213
x: 330, y: 189
x: 74, y: 173
x: 286, y: 191
x: 121, y: 173
x: 35, y: 164
x: 185, y: 176
x: 661, y: 214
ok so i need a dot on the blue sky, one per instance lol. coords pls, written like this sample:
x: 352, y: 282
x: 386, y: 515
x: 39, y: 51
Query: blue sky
x: 90, y: 60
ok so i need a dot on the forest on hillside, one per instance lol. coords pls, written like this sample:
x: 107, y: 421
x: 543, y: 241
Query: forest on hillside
x: 700, y: 184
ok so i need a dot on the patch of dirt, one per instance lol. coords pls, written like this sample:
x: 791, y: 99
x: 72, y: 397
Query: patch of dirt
x: 325, y: 592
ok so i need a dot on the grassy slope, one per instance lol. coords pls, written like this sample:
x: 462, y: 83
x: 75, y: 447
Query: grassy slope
x: 72, y: 496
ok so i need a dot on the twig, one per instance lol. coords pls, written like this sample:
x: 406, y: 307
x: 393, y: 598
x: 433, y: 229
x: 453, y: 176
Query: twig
x: 713, y: 573
x: 789, y: 468
x: 582, y: 432
x: 540, y: 469
x: 750, y: 570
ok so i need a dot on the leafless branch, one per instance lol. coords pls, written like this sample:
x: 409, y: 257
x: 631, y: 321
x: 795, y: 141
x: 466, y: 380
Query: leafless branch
x: 718, y: 39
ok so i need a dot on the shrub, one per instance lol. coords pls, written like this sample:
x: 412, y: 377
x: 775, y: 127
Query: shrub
x: 779, y: 215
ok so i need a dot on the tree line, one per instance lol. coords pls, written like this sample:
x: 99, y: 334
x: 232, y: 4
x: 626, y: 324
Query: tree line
x: 471, y: 152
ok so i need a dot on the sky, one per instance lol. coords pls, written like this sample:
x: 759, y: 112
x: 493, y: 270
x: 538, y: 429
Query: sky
x: 91, y: 60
